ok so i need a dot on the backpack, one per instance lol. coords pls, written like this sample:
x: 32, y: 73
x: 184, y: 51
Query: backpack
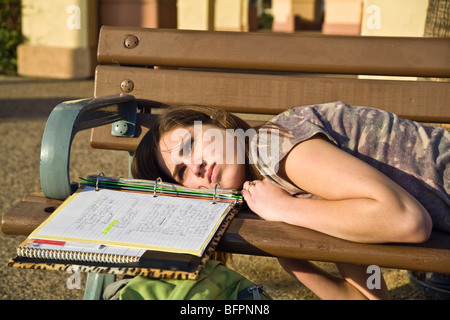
x: 215, y: 282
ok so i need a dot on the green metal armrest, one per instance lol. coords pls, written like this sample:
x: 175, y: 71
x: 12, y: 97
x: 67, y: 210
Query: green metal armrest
x: 67, y: 119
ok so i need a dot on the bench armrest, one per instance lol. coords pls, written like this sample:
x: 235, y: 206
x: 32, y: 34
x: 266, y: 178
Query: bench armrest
x: 63, y: 123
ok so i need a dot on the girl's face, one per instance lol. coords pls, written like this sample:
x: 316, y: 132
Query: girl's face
x: 200, y: 156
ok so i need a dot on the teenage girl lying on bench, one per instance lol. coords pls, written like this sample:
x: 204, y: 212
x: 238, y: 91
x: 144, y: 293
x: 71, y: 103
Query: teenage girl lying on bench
x: 356, y: 173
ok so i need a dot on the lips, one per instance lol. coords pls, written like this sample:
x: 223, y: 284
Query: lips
x: 212, y: 173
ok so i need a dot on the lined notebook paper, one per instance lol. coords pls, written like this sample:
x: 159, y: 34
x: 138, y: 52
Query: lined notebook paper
x: 135, y: 220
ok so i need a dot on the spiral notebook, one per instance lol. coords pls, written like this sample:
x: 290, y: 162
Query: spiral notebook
x: 131, y: 227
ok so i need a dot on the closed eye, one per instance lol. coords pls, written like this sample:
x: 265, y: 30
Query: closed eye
x: 187, y: 147
x: 181, y: 172
x: 185, y: 151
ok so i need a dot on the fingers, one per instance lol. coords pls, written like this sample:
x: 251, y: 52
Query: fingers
x: 248, y: 185
x: 251, y: 184
x: 246, y: 190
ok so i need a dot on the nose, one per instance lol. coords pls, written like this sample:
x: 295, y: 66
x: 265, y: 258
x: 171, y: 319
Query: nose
x: 196, y: 176
x: 197, y: 169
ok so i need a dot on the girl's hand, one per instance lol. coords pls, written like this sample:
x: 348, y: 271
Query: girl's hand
x: 265, y: 198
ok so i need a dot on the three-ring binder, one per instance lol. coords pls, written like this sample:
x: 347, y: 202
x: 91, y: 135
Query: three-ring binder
x: 158, y: 186
x: 215, y: 192
x: 98, y: 179
x: 177, y: 232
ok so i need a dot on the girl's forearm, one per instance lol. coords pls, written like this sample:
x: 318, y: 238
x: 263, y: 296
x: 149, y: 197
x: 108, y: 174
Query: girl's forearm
x: 362, y: 204
x: 360, y: 220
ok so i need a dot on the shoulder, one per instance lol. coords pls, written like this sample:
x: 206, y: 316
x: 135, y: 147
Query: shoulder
x: 311, y: 112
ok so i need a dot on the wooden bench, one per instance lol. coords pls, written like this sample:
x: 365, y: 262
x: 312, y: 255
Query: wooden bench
x: 255, y: 75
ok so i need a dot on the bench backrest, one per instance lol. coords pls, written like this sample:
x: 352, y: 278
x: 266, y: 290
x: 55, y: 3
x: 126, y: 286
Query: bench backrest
x: 267, y: 73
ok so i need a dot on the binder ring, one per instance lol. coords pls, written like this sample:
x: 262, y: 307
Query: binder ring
x: 156, y: 184
x: 98, y: 178
x: 215, y: 192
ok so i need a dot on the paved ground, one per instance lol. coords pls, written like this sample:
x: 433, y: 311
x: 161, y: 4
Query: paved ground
x: 24, y: 106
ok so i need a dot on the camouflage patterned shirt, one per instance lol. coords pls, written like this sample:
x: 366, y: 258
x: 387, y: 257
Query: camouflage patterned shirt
x: 415, y: 156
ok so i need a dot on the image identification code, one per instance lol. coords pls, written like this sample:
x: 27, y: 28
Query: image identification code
x: 234, y: 309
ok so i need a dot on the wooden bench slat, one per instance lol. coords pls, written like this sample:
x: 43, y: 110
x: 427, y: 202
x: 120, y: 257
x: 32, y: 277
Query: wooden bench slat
x: 247, y: 235
x: 406, y: 56
x: 26, y: 216
x: 272, y: 94
x: 251, y: 237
